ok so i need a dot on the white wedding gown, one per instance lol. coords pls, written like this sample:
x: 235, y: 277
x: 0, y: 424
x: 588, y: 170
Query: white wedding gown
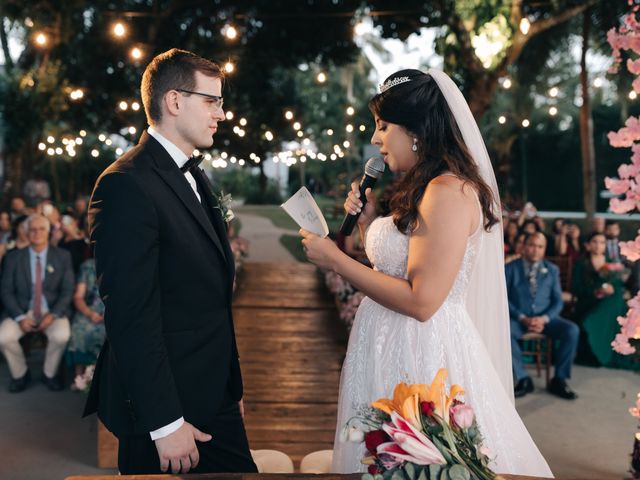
x: 386, y: 348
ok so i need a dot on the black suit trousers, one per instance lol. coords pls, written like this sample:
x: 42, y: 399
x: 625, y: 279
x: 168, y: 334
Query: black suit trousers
x: 227, y: 452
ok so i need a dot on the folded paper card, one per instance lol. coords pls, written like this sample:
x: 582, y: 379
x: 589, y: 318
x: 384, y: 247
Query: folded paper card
x: 305, y: 212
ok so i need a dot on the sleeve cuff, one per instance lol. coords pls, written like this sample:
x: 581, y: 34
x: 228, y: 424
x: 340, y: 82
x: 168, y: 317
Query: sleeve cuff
x: 167, y: 429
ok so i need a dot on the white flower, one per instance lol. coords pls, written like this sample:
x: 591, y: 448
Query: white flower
x: 355, y: 435
x: 50, y: 269
x: 224, y: 204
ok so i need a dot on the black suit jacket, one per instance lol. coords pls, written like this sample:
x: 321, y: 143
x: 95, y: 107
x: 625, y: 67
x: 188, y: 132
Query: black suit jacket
x: 165, y: 273
x: 17, y: 286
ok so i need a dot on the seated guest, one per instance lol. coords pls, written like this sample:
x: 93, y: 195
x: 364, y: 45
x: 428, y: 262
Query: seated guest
x: 19, y: 236
x: 74, y: 242
x: 36, y: 289
x: 598, y: 224
x: 560, y: 231
x: 535, y: 303
x: 510, y: 234
x: 612, y: 234
x: 518, y: 247
x: 87, y: 328
x: 598, y: 286
x: 575, y: 244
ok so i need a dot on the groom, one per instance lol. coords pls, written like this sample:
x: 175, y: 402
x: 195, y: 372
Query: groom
x: 167, y: 382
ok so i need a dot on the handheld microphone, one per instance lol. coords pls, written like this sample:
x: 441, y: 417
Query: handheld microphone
x: 373, y: 170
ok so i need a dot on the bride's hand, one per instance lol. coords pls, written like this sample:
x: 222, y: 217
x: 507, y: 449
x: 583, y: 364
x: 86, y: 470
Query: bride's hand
x: 320, y: 251
x: 353, y: 205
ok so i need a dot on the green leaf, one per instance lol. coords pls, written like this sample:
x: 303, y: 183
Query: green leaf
x: 377, y: 476
x: 410, y: 470
x: 444, y: 475
x: 397, y: 475
x: 459, y: 472
x: 423, y: 474
x: 367, y: 476
x: 434, y: 472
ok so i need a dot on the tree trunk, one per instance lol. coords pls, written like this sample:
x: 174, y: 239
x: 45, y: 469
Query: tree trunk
x: 481, y: 93
x: 586, y: 128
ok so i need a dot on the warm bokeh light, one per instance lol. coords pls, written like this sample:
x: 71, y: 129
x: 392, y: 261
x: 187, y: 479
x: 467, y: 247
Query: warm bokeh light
x: 123, y: 105
x: 119, y: 30
x: 230, y: 32
x: 136, y: 53
x: 553, y: 111
x: 288, y: 114
x: 553, y: 92
x: 525, y: 123
x: 268, y: 135
x: 229, y: 67
x: 322, y: 77
x: 525, y: 25
x: 41, y: 39
x: 502, y: 119
x: 229, y: 115
x: 633, y: 95
x: 350, y: 111
x: 507, y: 83
x: 597, y: 82
x: 135, y: 106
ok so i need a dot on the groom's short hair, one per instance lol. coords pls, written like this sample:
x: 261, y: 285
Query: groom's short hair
x: 171, y: 70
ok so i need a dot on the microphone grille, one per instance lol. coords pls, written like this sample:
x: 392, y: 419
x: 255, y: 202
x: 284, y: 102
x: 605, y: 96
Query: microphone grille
x: 374, y: 167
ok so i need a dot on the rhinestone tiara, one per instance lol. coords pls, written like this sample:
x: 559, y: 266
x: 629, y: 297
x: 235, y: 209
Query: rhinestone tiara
x: 393, y: 82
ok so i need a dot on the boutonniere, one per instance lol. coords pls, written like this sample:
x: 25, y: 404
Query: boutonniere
x: 544, y: 270
x: 224, y: 204
x: 50, y: 269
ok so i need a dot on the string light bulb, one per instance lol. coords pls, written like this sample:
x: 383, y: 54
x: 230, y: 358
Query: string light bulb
x: 288, y: 114
x: 136, y: 53
x: 41, y: 39
x: 119, y: 30
x: 525, y: 25
x: 229, y: 67
x: 506, y: 84
x: 322, y: 77
x: 230, y: 32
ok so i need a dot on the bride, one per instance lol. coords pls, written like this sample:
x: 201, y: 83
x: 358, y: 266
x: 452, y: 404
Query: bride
x: 437, y: 296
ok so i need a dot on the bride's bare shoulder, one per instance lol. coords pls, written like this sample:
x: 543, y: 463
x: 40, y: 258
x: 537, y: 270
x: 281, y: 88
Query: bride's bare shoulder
x: 448, y: 187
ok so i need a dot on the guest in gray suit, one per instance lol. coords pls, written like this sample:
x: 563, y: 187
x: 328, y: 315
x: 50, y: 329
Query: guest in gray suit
x: 36, y: 289
x: 535, y: 303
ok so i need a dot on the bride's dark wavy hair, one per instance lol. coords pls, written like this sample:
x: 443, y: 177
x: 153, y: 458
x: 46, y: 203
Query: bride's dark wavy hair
x: 420, y: 107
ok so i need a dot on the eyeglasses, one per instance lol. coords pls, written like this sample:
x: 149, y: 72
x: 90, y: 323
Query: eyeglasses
x: 217, y: 101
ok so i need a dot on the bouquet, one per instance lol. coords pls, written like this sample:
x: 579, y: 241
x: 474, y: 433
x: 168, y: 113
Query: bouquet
x: 423, y: 433
x: 614, y: 271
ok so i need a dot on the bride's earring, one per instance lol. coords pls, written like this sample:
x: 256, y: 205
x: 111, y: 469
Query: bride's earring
x: 414, y: 147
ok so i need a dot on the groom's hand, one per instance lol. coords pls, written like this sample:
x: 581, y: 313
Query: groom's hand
x: 178, y: 450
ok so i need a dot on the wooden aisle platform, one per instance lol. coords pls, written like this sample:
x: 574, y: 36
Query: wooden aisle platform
x: 291, y: 347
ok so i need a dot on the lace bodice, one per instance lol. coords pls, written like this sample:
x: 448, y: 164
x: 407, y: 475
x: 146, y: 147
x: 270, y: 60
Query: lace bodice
x: 388, y: 251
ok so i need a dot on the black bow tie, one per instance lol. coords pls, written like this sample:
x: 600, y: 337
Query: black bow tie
x: 193, y: 161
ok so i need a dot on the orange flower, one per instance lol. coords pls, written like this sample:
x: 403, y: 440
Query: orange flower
x: 407, y: 398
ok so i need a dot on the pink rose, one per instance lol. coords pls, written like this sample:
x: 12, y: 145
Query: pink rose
x: 463, y: 415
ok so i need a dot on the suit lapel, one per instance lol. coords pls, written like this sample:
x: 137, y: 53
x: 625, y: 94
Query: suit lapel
x: 210, y: 202
x: 26, y: 266
x: 167, y: 169
x: 524, y: 280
